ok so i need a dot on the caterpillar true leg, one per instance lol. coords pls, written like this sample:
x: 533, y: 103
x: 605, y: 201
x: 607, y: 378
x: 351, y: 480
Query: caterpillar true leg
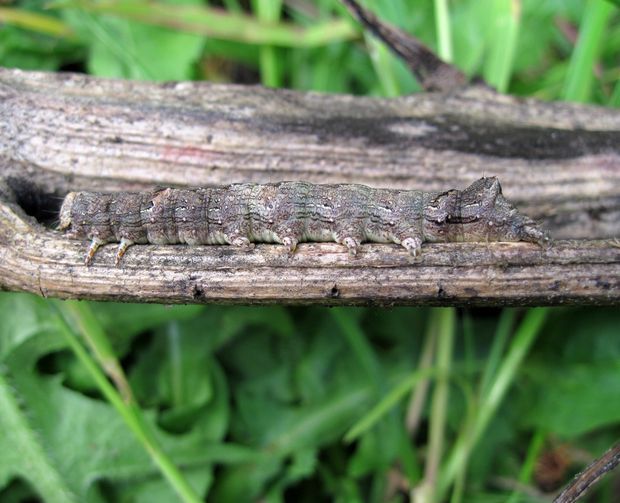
x: 351, y: 243
x: 122, y: 248
x: 290, y: 243
x: 241, y: 242
x: 92, y: 249
x: 290, y: 233
x: 531, y: 232
x: 413, y: 245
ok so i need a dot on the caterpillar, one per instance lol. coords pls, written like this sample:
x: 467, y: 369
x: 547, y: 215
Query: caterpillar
x: 291, y: 212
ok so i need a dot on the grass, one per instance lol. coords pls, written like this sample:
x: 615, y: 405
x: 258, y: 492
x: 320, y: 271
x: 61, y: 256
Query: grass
x: 76, y: 319
x: 148, y: 403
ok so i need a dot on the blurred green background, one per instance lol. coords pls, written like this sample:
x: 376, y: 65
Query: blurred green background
x: 308, y: 404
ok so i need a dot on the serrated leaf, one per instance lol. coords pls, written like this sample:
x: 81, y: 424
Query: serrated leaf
x: 64, y: 441
x: 113, y: 453
x: 23, y: 452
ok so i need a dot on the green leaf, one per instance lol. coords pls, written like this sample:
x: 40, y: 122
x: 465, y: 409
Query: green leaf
x: 53, y: 425
x: 578, y: 86
x: 503, y: 43
x: 23, y: 452
x: 566, y: 404
x: 215, y: 23
x: 27, y: 328
x: 116, y: 49
x: 178, y: 374
x: 377, y: 449
x: 123, y: 321
x: 52, y: 438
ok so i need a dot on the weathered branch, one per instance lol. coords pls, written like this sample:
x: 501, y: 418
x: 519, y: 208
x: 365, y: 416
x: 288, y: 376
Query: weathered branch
x: 433, y: 73
x: 584, y: 480
x: 559, y: 163
x: 38, y: 260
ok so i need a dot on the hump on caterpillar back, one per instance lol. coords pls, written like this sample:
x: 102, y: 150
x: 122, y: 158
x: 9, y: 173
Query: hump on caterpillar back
x: 484, y: 192
x: 486, y: 215
x: 64, y: 216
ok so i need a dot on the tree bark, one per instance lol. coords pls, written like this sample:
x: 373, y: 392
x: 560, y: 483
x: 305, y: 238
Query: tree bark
x: 558, y: 162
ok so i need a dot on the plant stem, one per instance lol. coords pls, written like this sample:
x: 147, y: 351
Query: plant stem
x: 269, y: 12
x: 578, y: 85
x: 81, y: 318
x: 536, y: 444
x: 131, y: 413
x: 445, y: 321
x: 524, y: 337
x: 444, y: 34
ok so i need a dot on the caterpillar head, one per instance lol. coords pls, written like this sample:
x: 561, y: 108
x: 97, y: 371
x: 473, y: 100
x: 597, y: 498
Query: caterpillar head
x: 85, y: 215
x: 64, y: 216
x: 478, y: 213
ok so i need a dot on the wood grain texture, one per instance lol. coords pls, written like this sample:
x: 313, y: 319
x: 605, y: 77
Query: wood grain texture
x: 559, y: 163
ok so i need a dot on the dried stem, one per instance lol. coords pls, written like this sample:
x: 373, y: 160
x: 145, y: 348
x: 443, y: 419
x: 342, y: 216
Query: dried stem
x: 590, y: 476
x: 433, y: 73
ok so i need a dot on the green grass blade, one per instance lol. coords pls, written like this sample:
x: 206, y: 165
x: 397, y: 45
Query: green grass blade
x: 578, y: 85
x: 71, y: 312
x: 417, y: 401
x: 444, y: 33
x: 360, y: 346
x: 81, y: 318
x: 177, y: 390
x: 269, y: 11
x: 529, y: 465
x: 327, y: 417
x: 124, y: 53
x: 40, y: 23
x: 383, y: 63
x: 503, y: 331
x: 525, y: 335
x: 446, y: 320
x: 219, y: 24
x: 386, y: 404
x: 506, y: 20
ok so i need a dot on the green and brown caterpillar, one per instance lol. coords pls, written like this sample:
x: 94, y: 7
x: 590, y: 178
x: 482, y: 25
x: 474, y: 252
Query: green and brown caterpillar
x: 292, y: 212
